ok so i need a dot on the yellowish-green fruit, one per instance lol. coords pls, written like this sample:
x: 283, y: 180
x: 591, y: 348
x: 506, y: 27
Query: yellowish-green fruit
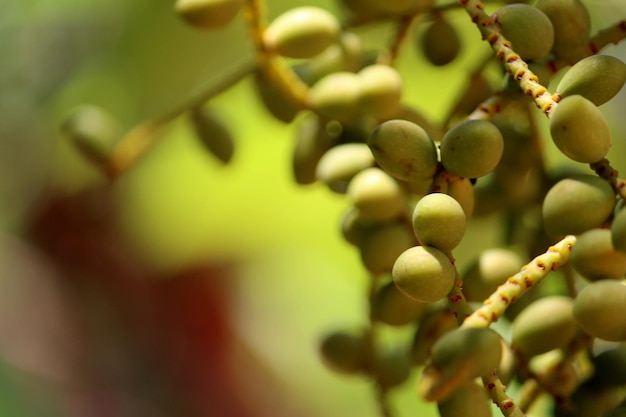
x: 208, y: 14
x: 572, y: 25
x: 275, y: 100
x: 377, y: 195
x: 472, y: 148
x: 344, y: 351
x: 313, y: 140
x: 391, y: 306
x: 336, y: 96
x: 437, y: 321
x: 382, y: 244
x: 380, y: 91
x: 424, y: 274
x: 594, y: 256
x: 440, y: 42
x: 577, y: 204
x: 488, y: 271
x: 94, y: 133
x: 462, y: 191
x: 302, y: 32
x: 599, y: 309
x: 404, y: 150
x: 544, y: 325
x: 439, y: 221
x: 341, y: 163
x: 618, y: 231
x: 598, y: 78
x: 215, y: 137
x: 468, y: 400
x: 527, y: 28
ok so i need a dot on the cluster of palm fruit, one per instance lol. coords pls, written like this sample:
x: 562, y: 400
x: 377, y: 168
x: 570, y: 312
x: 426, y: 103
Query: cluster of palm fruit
x: 413, y: 186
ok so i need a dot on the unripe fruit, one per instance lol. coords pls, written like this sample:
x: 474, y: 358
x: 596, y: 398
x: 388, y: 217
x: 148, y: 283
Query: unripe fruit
x: 404, y: 150
x: 391, y: 306
x: 610, y: 367
x: 599, y: 310
x: 336, y: 96
x: 344, y: 351
x: 439, y: 221
x: 598, y: 78
x: 274, y: 99
x: 462, y: 191
x: 488, y: 271
x: 376, y: 195
x: 313, y: 140
x: 527, y: 28
x: 469, y: 400
x: 213, y: 134
x: 437, y: 322
x: 302, y: 32
x: 424, y: 273
x: 341, y: 163
x: 544, y: 325
x: 618, y: 231
x: 93, y: 131
x: 594, y: 256
x: 572, y: 25
x: 382, y: 244
x: 579, y: 129
x: 380, y: 91
x: 472, y: 148
x: 440, y: 42
x: 391, y: 367
x: 574, y: 205
x: 208, y: 14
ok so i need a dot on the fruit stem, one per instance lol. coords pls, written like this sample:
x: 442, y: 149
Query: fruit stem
x: 515, y: 65
x: 518, y: 284
x: 604, y: 170
x: 497, y: 391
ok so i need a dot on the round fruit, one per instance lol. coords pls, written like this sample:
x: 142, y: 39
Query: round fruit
x: 527, y: 28
x: 440, y: 42
x: 344, y: 351
x: 336, y: 96
x: 599, y: 310
x: 302, y: 32
x: 215, y: 137
x: 488, y: 271
x: 435, y: 323
x: 380, y: 91
x: 462, y: 191
x: 618, y: 231
x: 577, y: 204
x: 472, y: 148
x: 208, y: 14
x: 579, y: 129
x: 377, y: 195
x: 341, y: 163
x: 391, y: 306
x: 469, y: 400
x: 594, y: 256
x: 544, y: 325
x: 382, y: 244
x: 572, y: 25
x: 439, y: 221
x: 598, y: 78
x: 404, y: 150
x: 424, y: 273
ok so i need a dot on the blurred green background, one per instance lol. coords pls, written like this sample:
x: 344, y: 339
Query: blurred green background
x: 295, y: 277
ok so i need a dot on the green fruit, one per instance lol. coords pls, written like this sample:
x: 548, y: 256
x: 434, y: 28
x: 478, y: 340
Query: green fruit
x: 544, y: 325
x: 579, y: 130
x: 380, y: 91
x: 618, y: 231
x: 598, y: 78
x: 473, y: 352
x: 313, y: 140
x: 336, y: 96
x: 610, y: 367
x: 391, y: 306
x: 93, y: 132
x: 302, y: 32
x: 345, y: 55
x: 377, y: 195
x: 404, y: 150
x: 208, y: 14
x: 488, y: 271
x: 572, y: 25
x: 274, y: 99
x: 575, y: 205
x: 439, y: 221
x: 468, y: 400
x: 341, y: 163
x: 472, y: 148
x: 527, y: 28
x: 462, y: 191
x: 392, y: 367
x: 424, y: 273
x: 440, y: 42
x: 382, y: 244
x: 594, y: 256
x: 600, y: 310
x: 435, y: 323
x: 344, y: 351
x: 213, y: 134
x: 353, y: 229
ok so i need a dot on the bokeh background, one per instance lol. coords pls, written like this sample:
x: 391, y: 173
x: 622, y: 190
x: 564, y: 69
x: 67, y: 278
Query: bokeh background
x: 188, y: 287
